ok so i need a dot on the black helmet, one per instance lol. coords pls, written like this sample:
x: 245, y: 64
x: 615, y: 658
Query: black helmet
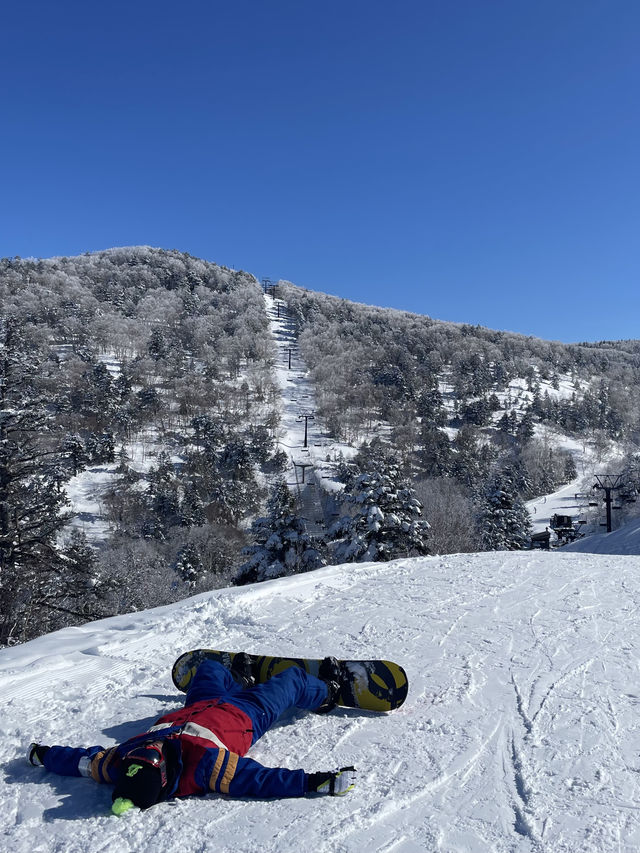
x: 143, y: 776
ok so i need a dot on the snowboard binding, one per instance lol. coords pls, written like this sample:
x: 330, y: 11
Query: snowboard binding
x: 243, y: 670
x: 331, y: 673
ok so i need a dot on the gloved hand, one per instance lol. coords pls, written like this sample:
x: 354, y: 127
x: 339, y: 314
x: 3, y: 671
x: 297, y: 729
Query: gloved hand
x: 36, y: 754
x: 335, y: 784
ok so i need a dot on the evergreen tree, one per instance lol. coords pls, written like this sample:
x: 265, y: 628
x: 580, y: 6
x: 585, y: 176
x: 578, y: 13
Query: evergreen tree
x: 570, y: 470
x: 260, y: 443
x: 208, y: 434
x: 508, y: 423
x: 235, y: 461
x: 162, y: 499
x: 76, y: 452
x: 189, y: 565
x: 148, y: 402
x: 83, y: 590
x: 157, y: 345
x: 100, y: 448
x: 232, y: 500
x: 430, y: 407
x: 434, y: 451
x: 98, y: 397
x: 281, y: 544
x: 384, y: 514
x: 470, y: 460
x: 191, y: 508
x: 525, y: 429
x: 503, y: 519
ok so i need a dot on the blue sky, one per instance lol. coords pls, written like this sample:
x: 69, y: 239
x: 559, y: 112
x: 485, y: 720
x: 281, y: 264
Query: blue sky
x: 474, y: 160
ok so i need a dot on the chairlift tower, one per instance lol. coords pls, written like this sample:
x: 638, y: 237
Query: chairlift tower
x: 269, y: 287
x: 307, y: 418
x: 303, y: 466
x: 608, y: 483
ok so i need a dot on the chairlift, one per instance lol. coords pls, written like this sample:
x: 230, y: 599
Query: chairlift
x: 561, y: 522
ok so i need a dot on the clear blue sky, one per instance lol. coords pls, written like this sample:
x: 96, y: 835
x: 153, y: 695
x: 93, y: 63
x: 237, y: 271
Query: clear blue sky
x: 474, y: 160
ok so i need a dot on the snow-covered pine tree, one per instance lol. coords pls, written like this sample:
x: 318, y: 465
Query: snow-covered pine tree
x: 100, y: 399
x: 526, y: 428
x: 281, y: 544
x: 384, y: 520
x: 470, y: 459
x: 570, y: 471
x: 162, y: 498
x: 76, y: 452
x: 83, y: 591
x: 503, y: 520
x: 101, y: 448
x: 434, y: 451
x: 238, y: 490
x: 189, y: 565
x: 191, y: 507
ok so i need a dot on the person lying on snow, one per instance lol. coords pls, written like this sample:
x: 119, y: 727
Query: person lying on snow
x: 200, y: 748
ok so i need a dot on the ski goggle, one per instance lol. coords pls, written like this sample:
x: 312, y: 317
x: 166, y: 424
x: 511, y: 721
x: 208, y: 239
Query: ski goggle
x: 152, y: 756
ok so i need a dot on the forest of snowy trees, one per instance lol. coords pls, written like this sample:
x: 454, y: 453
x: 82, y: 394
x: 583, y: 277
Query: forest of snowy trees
x: 369, y: 362
x: 156, y: 366
x: 444, y: 392
x: 155, y: 371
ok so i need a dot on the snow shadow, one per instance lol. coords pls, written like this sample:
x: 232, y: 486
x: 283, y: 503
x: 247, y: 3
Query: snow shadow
x: 78, y: 800
x: 123, y: 731
x: 17, y: 770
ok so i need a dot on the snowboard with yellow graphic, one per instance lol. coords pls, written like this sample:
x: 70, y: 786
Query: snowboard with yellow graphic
x: 372, y: 685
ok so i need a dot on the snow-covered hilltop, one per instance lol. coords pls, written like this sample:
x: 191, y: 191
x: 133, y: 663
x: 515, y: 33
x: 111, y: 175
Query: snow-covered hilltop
x: 520, y: 731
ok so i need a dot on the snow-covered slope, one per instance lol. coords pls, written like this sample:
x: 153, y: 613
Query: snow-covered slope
x: 520, y: 731
x: 297, y: 400
x: 566, y: 501
x: 625, y: 540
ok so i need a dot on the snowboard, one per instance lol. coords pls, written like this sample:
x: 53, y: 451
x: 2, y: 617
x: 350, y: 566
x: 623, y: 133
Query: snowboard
x: 372, y: 685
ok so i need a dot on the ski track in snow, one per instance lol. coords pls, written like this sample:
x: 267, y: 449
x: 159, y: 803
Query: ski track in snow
x: 520, y: 732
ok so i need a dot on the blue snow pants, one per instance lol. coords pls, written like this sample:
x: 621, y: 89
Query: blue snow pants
x: 263, y: 703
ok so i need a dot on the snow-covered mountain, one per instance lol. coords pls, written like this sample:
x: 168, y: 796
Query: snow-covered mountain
x: 164, y: 397
x: 520, y: 731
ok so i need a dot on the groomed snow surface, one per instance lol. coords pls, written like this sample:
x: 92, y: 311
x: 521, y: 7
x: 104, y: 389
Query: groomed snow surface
x: 520, y: 731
